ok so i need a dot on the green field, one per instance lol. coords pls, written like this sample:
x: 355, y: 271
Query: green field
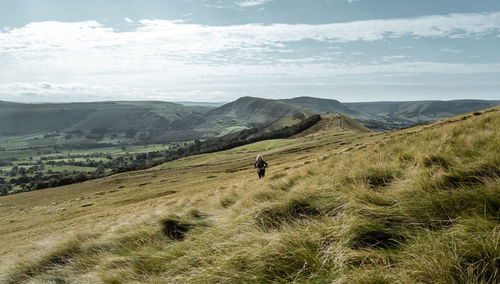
x: 28, y: 151
x: 232, y: 129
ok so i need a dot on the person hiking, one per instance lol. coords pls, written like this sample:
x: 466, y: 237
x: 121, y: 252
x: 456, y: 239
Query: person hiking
x: 261, y: 166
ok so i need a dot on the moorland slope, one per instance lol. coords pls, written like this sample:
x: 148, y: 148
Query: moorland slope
x: 412, y: 206
x: 322, y: 106
x: 251, y: 110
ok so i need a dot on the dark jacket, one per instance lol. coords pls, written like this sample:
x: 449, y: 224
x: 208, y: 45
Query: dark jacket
x: 260, y: 164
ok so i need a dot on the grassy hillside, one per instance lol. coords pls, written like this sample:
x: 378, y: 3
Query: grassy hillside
x: 251, y: 111
x: 22, y: 119
x: 322, y: 105
x: 417, y: 205
x: 422, y: 110
x: 384, y: 116
x: 333, y: 123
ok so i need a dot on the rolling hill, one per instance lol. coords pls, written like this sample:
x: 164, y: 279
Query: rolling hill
x: 418, y: 205
x: 162, y: 120
x: 23, y: 119
x: 322, y: 106
x: 419, y: 111
x: 334, y: 122
x: 384, y: 116
x: 250, y: 110
x: 165, y: 122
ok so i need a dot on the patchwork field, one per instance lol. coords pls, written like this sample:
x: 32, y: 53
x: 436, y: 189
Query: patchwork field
x: 24, y: 161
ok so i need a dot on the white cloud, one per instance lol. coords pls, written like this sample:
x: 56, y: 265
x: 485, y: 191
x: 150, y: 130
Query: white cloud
x: 235, y: 4
x: 178, y: 37
x: 171, y: 55
x: 392, y: 58
x: 252, y: 3
x: 451, y: 50
x: 34, y: 92
x: 128, y: 20
x: 48, y: 92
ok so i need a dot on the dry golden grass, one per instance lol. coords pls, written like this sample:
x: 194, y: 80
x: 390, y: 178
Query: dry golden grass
x: 417, y: 205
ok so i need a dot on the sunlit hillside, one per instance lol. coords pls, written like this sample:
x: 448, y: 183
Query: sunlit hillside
x: 338, y: 204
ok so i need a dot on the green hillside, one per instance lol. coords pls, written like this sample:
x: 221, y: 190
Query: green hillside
x: 334, y: 122
x: 23, y: 119
x: 384, y: 116
x: 422, y: 110
x: 420, y: 205
x: 322, y: 106
x: 250, y: 110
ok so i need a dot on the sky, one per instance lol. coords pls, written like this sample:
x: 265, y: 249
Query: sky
x: 220, y: 50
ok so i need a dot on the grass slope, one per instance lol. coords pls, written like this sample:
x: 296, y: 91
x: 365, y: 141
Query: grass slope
x: 334, y: 122
x: 412, y: 206
x: 421, y: 110
x: 22, y: 119
x: 321, y: 105
x: 247, y: 110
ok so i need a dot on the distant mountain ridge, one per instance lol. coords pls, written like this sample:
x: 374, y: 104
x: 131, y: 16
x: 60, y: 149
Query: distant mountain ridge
x: 322, y: 106
x: 422, y: 110
x: 256, y: 110
x: 20, y: 119
x: 381, y: 116
x: 166, y: 121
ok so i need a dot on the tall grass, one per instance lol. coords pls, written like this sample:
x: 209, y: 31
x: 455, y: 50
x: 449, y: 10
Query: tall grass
x: 423, y: 207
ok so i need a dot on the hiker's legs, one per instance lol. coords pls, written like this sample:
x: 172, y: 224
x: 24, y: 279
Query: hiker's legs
x: 260, y: 173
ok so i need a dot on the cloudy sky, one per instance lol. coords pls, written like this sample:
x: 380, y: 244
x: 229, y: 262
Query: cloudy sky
x: 219, y: 50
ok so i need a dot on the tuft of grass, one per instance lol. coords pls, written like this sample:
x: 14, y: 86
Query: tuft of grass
x: 60, y: 255
x: 197, y: 214
x: 472, y: 176
x: 370, y: 234
x: 274, y: 216
x: 285, y: 185
x: 367, y: 275
x: 405, y: 157
x: 454, y: 257
x: 288, y: 211
x: 278, y: 175
x: 111, y: 280
x: 149, y: 264
x: 376, y: 177
x: 175, y: 228
x: 375, y: 198
x: 266, y: 195
x: 295, y: 258
x: 436, y: 160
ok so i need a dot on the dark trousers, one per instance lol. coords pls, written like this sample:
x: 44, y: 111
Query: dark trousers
x: 261, y: 172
